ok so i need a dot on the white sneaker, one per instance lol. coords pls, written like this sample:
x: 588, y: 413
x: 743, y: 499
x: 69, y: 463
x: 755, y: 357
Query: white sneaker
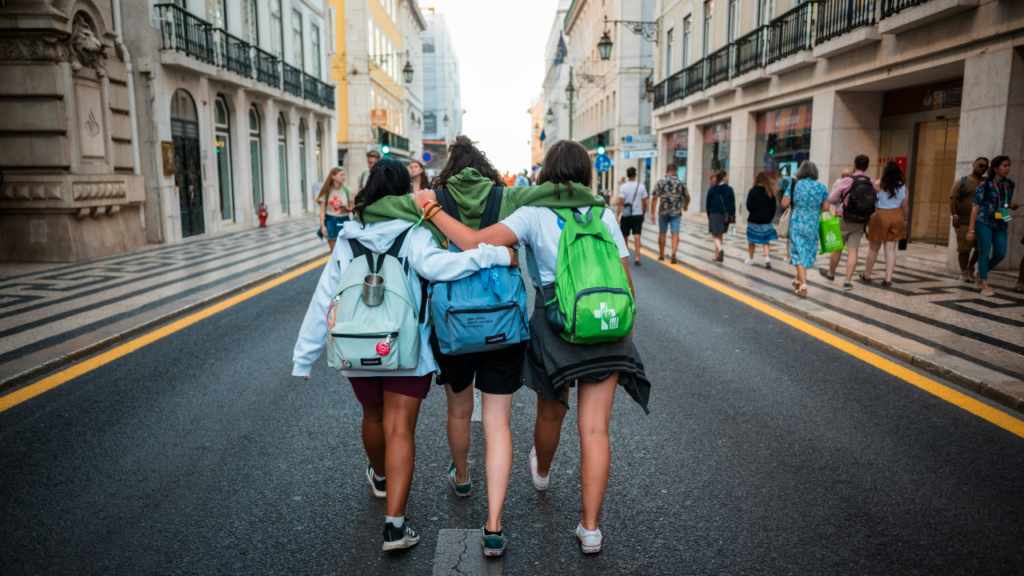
x: 539, y: 482
x: 590, y: 542
x: 749, y: 262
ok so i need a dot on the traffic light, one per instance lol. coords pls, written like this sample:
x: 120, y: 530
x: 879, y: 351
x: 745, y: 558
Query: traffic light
x: 384, y: 140
x: 600, y: 143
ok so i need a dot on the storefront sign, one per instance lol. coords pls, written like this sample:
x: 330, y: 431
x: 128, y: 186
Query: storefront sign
x: 679, y: 139
x: 379, y: 117
x: 947, y: 94
x: 167, y: 152
x: 792, y: 119
x: 717, y: 133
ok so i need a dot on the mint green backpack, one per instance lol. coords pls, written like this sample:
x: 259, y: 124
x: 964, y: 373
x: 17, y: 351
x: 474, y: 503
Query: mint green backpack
x: 593, y: 302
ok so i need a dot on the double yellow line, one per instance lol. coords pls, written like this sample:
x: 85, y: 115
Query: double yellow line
x: 980, y: 409
x: 51, y: 382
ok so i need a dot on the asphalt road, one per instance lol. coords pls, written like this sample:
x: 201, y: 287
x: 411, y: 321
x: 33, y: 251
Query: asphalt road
x: 766, y: 452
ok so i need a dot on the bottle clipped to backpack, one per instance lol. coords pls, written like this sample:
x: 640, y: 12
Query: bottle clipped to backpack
x: 592, y: 301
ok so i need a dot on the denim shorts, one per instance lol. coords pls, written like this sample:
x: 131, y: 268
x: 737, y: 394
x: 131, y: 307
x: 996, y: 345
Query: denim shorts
x: 333, y: 225
x: 664, y: 222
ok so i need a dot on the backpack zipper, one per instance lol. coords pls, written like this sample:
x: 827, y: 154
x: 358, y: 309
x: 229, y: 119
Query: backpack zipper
x: 480, y: 310
x: 582, y: 293
x: 391, y: 335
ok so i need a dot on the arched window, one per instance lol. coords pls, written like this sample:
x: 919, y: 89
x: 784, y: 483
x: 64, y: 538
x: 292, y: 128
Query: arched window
x: 187, y: 170
x: 255, y: 158
x: 319, y: 152
x: 222, y: 140
x: 282, y: 163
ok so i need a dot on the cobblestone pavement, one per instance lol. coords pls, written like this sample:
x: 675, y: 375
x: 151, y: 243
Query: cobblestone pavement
x: 53, y: 312
x: 926, y: 313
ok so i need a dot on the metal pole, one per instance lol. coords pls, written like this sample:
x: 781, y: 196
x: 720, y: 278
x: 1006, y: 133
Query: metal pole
x: 571, y: 92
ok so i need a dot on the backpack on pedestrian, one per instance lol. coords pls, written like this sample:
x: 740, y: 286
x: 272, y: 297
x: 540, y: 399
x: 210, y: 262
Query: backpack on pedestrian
x: 485, y: 311
x: 593, y: 302
x: 374, y: 328
x: 859, y: 200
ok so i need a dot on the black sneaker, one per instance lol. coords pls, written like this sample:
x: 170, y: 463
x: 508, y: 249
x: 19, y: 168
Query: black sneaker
x: 824, y: 272
x: 379, y: 487
x: 397, y: 538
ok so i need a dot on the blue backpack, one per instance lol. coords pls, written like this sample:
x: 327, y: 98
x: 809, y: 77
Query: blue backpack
x: 484, y: 311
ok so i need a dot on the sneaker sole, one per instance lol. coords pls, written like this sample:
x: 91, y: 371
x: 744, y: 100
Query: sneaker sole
x: 451, y: 482
x: 373, y: 488
x: 533, y: 477
x: 588, y: 549
x: 401, y: 544
x: 492, y: 553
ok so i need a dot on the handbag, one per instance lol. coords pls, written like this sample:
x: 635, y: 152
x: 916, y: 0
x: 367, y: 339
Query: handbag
x: 729, y: 218
x: 787, y: 215
x: 627, y: 207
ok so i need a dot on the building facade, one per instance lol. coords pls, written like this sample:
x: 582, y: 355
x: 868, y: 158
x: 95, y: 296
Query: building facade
x: 609, y: 102
x: 556, y: 78
x: 71, y: 185
x: 382, y: 45
x: 537, y: 134
x: 238, y: 111
x: 442, y: 93
x: 760, y: 85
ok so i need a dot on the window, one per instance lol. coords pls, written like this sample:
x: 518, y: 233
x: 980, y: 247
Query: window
x: 669, y: 49
x: 765, y: 11
x: 687, y: 33
x: 709, y: 27
x: 297, y: 47
x: 255, y: 158
x: 282, y: 163
x: 319, y: 152
x: 215, y: 13
x: 734, y: 20
x: 302, y: 164
x: 314, y: 33
x: 276, y: 29
x: 429, y: 123
x: 250, y: 22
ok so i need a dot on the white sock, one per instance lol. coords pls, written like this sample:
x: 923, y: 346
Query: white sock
x: 378, y: 478
x: 588, y: 532
x: 767, y: 259
x: 397, y: 522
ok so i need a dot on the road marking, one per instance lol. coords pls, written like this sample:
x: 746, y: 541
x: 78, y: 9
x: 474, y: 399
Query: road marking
x: 459, y: 552
x: 980, y: 409
x: 51, y: 382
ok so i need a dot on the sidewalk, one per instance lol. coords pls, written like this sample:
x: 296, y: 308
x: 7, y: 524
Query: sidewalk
x: 927, y: 318
x: 53, y: 314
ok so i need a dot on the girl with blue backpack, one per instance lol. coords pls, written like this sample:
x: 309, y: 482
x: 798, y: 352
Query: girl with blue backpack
x: 581, y: 329
x: 369, y: 312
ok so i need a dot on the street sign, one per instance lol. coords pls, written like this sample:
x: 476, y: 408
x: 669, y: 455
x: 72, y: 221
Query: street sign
x: 633, y: 146
x: 427, y: 157
x: 633, y: 155
x: 602, y: 163
x: 379, y: 117
x: 647, y: 138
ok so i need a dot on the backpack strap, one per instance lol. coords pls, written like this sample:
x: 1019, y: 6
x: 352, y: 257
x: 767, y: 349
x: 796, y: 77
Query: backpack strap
x: 396, y: 247
x: 360, y: 250
x: 493, y: 207
x: 963, y: 186
x: 447, y: 202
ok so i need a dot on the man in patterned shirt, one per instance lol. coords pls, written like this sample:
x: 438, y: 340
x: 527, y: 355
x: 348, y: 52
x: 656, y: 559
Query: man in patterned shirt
x: 670, y: 201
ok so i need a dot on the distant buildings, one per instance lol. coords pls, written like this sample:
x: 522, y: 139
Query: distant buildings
x: 442, y: 96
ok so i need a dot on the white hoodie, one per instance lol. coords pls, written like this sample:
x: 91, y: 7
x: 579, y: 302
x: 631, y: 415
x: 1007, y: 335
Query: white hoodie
x: 425, y: 259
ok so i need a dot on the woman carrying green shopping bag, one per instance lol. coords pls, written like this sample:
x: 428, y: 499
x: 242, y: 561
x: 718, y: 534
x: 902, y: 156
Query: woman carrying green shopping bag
x: 808, y: 198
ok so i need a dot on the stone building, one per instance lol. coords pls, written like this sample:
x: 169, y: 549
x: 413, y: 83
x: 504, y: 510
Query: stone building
x: 235, y: 110
x: 556, y: 78
x: 442, y: 91
x: 537, y: 135
x: 760, y: 85
x: 381, y: 72
x: 70, y: 181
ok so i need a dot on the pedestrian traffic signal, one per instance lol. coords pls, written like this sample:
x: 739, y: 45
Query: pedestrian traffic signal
x: 384, y: 150
x: 600, y: 143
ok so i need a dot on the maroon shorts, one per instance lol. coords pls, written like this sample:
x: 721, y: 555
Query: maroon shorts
x: 370, y: 391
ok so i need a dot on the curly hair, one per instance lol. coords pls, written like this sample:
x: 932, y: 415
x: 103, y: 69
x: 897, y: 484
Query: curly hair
x: 462, y: 154
x: 388, y: 177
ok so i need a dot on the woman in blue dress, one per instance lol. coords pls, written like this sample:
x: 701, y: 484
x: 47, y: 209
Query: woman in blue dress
x: 808, y: 198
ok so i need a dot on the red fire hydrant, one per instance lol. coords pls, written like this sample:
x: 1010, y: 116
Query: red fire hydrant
x: 262, y: 215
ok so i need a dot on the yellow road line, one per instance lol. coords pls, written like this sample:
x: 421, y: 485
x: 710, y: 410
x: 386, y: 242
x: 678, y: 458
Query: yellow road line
x: 51, y: 382
x: 980, y: 409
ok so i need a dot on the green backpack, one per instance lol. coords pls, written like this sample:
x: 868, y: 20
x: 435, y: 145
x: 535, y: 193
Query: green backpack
x: 592, y: 302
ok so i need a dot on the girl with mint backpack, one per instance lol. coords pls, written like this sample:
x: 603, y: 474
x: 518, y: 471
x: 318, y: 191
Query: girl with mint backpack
x: 390, y: 398
x: 566, y: 347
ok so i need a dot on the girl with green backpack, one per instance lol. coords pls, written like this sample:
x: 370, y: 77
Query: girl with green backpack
x: 581, y: 329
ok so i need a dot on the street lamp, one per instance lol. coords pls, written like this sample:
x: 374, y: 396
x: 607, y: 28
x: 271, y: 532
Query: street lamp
x: 550, y: 116
x: 445, y: 120
x: 649, y: 89
x: 407, y: 73
x: 569, y: 91
x: 605, y: 46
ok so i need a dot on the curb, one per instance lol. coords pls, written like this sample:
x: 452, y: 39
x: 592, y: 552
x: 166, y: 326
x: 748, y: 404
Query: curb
x: 109, y: 341
x: 973, y: 384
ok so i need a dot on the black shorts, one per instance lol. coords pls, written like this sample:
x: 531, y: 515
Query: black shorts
x: 496, y: 372
x: 631, y: 225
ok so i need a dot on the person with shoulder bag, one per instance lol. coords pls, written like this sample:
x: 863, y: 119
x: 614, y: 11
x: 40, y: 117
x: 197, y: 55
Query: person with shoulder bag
x: 989, y: 218
x: 721, y: 209
x: 854, y: 197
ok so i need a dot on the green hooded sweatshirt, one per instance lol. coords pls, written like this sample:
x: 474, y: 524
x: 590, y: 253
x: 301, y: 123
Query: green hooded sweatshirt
x: 474, y: 196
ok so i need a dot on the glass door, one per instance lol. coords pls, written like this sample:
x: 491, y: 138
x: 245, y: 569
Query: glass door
x: 934, y: 172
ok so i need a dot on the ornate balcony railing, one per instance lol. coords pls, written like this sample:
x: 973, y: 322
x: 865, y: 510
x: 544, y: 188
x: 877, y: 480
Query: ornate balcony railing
x: 791, y: 33
x: 718, y: 66
x: 837, y: 17
x: 182, y: 31
x: 749, y: 50
x: 327, y: 95
x: 693, y: 78
x: 893, y: 7
x: 291, y: 79
x: 659, y: 94
x: 674, y: 86
x: 233, y: 53
x: 399, y: 142
x: 310, y: 88
x: 267, y: 69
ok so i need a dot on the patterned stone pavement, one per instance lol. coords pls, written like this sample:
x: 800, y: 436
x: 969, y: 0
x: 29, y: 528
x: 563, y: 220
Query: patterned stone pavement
x: 52, y: 312
x: 926, y: 317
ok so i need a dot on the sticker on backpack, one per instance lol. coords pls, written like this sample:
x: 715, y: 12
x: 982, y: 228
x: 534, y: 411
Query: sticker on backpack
x: 609, y: 321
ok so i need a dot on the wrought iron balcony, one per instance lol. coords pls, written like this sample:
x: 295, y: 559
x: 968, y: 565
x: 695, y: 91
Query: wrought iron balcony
x: 291, y: 79
x: 693, y: 78
x: 750, y: 50
x: 182, y: 31
x: 399, y: 142
x: 233, y: 53
x: 659, y: 94
x: 310, y: 88
x: 791, y: 33
x: 893, y: 7
x: 327, y: 95
x: 674, y: 87
x: 837, y: 17
x: 718, y: 66
x: 267, y: 69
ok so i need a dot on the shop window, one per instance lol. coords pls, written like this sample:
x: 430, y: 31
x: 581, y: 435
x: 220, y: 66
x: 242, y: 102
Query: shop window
x: 716, y: 155
x: 783, y: 142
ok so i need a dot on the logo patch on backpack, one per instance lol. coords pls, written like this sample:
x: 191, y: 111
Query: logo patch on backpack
x: 345, y: 363
x: 370, y: 361
x: 497, y: 339
x: 609, y: 321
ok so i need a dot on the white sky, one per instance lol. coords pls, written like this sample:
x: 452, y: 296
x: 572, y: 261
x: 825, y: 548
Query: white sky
x: 500, y: 46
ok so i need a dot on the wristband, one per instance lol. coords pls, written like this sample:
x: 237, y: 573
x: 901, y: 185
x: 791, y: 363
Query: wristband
x: 429, y: 205
x: 431, y: 212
